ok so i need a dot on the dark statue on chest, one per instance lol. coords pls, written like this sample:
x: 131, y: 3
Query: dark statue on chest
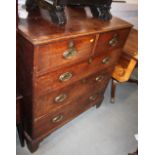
x: 99, y: 8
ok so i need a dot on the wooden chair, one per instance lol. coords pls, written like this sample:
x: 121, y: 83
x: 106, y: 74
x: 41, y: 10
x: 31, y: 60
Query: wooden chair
x: 127, y: 63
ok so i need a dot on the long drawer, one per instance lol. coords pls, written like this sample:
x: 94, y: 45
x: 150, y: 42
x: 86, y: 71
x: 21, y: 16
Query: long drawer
x: 66, y: 76
x: 46, y: 103
x: 58, y: 117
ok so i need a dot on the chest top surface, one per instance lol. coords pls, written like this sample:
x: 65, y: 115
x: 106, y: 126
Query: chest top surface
x: 38, y: 28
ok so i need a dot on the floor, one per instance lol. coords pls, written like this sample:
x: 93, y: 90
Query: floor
x: 108, y: 130
x: 126, y: 11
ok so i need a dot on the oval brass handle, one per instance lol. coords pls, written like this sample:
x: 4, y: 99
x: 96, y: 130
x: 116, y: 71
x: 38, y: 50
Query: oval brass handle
x: 65, y: 76
x: 57, y: 119
x: 60, y: 98
x: 113, y: 42
x: 106, y: 60
x: 71, y: 51
x: 99, y: 78
x: 93, y: 97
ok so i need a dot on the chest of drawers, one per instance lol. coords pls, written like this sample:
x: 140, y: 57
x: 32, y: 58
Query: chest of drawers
x: 64, y: 70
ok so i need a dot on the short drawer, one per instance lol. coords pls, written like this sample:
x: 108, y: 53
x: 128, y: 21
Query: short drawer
x: 46, y: 103
x: 64, y: 114
x: 64, y: 53
x: 66, y: 76
x: 111, y: 40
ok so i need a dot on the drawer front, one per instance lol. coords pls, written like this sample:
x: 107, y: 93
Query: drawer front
x: 64, y: 114
x: 66, y: 76
x: 111, y: 40
x: 46, y: 103
x: 64, y: 53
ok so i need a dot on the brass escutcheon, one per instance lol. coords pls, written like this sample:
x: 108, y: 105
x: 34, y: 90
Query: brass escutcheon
x: 90, y: 60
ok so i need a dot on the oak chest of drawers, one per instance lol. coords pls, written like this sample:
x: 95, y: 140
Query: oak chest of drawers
x: 64, y: 70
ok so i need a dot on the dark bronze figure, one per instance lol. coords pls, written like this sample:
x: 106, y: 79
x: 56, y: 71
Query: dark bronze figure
x: 99, y: 8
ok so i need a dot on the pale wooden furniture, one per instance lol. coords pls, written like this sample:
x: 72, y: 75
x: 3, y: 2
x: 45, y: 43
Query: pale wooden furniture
x: 126, y: 63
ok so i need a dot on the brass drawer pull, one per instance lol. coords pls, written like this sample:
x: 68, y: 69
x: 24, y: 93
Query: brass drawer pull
x: 106, y: 60
x: 93, y: 97
x: 99, y: 78
x: 65, y: 76
x: 57, y: 119
x: 92, y: 40
x: 71, y: 51
x: 60, y: 98
x: 113, y: 42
